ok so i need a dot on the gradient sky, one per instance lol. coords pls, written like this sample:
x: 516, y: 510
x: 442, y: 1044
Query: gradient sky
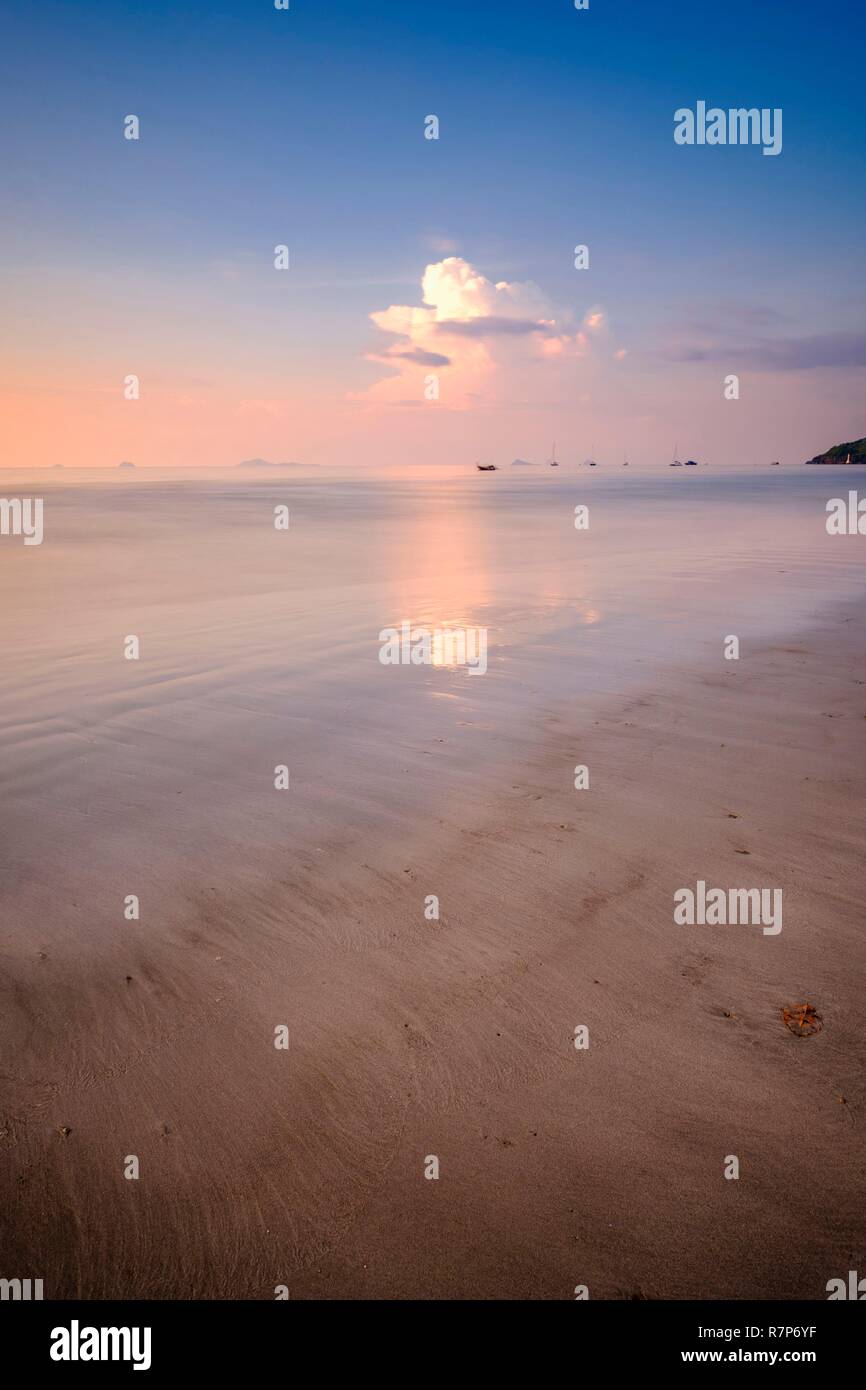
x: 306, y: 127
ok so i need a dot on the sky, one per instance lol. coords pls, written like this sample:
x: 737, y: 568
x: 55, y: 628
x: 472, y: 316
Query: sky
x: 432, y: 311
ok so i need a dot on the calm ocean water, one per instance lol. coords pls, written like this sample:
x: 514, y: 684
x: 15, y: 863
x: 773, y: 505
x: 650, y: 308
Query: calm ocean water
x: 260, y: 647
x: 222, y: 600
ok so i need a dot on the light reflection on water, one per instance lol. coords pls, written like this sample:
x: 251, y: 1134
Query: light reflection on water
x: 262, y: 647
x: 666, y: 565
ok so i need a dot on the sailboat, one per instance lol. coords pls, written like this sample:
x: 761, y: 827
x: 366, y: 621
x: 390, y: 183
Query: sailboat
x: 553, y: 461
x: 590, y: 462
x: 676, y: 463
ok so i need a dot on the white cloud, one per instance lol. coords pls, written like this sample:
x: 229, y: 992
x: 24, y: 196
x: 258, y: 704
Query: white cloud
x: 487, y: 330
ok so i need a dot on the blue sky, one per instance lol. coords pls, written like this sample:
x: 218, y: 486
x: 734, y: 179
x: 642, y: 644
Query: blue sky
x: 305, y: 126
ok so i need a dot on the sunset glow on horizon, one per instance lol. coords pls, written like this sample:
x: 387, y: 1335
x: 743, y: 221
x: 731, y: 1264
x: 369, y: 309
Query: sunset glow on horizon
x: 412, y: 257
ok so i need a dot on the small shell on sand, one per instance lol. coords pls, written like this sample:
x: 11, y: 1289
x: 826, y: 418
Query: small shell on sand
x: 802, y: 1019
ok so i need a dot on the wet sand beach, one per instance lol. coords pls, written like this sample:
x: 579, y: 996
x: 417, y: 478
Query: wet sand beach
x: 409, y: 1037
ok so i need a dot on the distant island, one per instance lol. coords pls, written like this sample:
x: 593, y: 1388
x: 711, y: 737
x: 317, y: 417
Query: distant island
x: 855, y: 452
x: 266, y: 463
x: 126, y: 464
x: 520, y: 463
